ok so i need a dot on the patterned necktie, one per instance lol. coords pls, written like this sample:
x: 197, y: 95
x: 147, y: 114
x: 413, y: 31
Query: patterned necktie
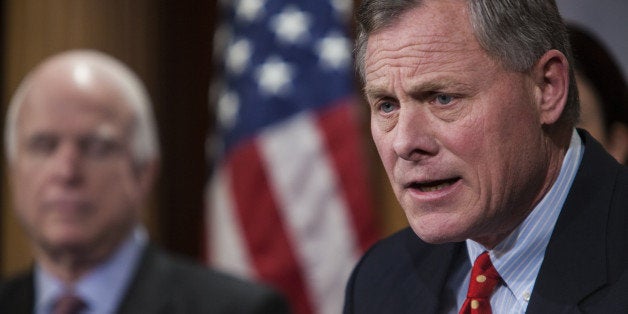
x: 68, y: 304
x: 484, y: 279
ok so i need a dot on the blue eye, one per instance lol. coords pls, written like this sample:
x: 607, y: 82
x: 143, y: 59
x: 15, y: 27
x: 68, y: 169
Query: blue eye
x: 387, y: 107
x: 444, y: 99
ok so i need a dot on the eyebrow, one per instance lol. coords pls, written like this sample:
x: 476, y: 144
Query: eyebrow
x: 374, y: 92
x: 440, y: 84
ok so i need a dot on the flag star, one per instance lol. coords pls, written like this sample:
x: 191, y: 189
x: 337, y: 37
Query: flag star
x: 334, y: 51
x: 291, y: 25
x: 343, y: 7
x: 274, y: 76
x: 238, y: 56
x: 228, y: 107
x: 249, y: 10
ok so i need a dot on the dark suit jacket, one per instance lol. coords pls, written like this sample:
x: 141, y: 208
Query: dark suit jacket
x: 584, y: 270
x: 166, y: 284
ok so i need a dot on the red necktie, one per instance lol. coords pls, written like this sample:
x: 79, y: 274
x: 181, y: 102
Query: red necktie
x: 484, y: 279
x: 68, y: 304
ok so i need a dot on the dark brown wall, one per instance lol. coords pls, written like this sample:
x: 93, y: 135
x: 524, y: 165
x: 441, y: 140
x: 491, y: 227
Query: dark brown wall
x: 184, y: 75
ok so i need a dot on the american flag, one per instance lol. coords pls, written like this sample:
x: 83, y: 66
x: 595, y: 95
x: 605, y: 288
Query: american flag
x: 288, y: 200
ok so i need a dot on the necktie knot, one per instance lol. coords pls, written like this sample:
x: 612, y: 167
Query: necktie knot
x: 484, y: 279
x: 68, y: 303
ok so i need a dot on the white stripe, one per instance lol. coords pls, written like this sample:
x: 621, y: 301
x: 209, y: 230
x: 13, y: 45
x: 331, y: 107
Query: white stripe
x: 310, y: 200
x: 227, y: 245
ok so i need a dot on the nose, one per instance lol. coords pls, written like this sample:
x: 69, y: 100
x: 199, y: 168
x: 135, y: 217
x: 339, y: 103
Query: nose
x: 414, y: 138
x: 66, y: 163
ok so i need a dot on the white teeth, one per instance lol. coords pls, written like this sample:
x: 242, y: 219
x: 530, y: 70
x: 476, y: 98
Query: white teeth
x: 435, y: 187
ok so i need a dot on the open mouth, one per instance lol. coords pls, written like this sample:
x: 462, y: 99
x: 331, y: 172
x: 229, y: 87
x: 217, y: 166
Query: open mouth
x: 432, y: 186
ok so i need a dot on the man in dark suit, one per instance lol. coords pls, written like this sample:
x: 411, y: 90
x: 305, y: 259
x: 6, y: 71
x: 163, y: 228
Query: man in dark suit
x: 511, y: 210
x: 82, y: 152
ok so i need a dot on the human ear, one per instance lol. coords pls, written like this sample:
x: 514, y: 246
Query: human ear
x: 551, y: 76
x: 146, y: 174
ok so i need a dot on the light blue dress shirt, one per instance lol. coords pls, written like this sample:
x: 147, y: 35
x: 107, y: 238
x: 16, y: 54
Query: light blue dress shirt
x: 101, y: 289
x: 518, y: 258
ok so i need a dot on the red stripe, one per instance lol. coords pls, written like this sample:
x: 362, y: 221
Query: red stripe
x: 268, y: 243
x: 343, y: 139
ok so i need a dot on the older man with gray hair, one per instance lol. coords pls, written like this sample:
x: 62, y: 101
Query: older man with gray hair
x: 82, y: 152
x: 511, y: 209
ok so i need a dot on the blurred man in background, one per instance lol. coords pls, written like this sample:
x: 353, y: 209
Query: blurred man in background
x: 82, y: 152
x: 603, y: 93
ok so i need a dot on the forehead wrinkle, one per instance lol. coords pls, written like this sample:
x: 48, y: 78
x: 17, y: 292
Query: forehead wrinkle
x: 407, y: 51
x: 415, y: 60
x: 388, y: 43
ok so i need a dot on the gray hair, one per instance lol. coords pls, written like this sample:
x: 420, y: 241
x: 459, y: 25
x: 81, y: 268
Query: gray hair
x: 514, y: 32
x: 144, y: 142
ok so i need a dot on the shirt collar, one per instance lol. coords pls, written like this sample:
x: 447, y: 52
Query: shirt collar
x: 47, y: 289
x: 519, y: 256
x: 102, y: 288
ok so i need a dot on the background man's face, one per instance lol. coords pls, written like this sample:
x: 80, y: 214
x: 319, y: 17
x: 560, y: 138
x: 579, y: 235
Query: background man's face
x: 75, y: 186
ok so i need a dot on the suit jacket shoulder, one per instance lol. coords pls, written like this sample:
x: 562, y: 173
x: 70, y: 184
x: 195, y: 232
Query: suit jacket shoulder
x: 17, y: 294
x: 169, y: 284
x: 401, y: 274
x: 585, y: 263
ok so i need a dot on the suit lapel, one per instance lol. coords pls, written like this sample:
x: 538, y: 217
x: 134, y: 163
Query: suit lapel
x: 146, y: 292
x: 575, y: 260
x: 431, y: 270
